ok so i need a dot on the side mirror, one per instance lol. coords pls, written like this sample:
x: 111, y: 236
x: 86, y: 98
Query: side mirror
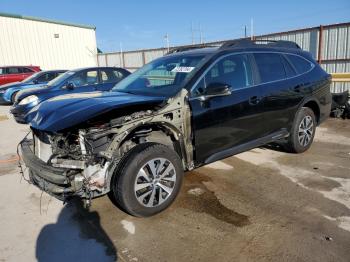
x: 69, y: 86
x: 216, y: 89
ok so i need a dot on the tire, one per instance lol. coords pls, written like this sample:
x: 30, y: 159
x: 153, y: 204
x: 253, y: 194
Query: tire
x: 136, y: 190
x: 13, y: 97
x: 299, y: 142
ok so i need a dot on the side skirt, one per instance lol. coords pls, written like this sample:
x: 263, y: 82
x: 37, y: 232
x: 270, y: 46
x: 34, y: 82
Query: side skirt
x: 247, y: 146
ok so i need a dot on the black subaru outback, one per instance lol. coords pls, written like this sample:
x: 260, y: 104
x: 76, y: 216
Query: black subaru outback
x: 179, y: 112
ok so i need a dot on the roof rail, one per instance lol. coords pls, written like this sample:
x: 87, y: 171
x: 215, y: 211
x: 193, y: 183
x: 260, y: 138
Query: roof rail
x: 255, y: 43
x: 189, y: 47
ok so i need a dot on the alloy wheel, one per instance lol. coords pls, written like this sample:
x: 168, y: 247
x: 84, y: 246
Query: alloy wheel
x: 305, y: 132
x: 155, y: 182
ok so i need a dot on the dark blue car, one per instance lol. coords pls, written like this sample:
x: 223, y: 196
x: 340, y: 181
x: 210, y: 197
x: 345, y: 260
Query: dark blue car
x: 8, y: 91
x: 74, y: 81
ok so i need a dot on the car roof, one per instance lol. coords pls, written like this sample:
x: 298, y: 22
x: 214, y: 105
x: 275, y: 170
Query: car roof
x: 30, y: 66
x: 241, y: 45
x: 95, y: 67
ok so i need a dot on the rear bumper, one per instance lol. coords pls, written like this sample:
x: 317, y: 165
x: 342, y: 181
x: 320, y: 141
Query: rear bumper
x: 54, y: 181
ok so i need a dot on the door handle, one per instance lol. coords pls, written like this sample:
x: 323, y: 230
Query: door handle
x: 254, y: 100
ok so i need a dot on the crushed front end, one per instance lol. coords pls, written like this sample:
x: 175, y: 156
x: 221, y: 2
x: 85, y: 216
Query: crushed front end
x: 81, y: 160
x: 65, y: 165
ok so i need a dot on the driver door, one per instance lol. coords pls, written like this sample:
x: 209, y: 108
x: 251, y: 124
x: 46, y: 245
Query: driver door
x: 223, y: 122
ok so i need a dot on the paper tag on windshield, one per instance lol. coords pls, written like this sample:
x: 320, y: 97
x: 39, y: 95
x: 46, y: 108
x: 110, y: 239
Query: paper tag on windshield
x: 182, y: 69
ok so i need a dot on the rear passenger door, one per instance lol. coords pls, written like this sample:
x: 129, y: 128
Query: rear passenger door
x: 14, y: 74
x: 223, y: 122
x: 279, y: 90
x: 108, y: 78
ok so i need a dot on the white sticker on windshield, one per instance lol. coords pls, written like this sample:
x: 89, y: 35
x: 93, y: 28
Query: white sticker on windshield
x: 182, y: 69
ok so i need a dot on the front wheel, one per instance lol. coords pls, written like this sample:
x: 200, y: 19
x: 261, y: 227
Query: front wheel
x: 148, y: 180
x: 303, y: 131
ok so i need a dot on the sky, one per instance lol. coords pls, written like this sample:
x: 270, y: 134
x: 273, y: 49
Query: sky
x: 141, y: 24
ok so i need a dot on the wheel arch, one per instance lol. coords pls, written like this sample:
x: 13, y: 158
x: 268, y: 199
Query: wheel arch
x: 157, y: 132
x: 313, y: 104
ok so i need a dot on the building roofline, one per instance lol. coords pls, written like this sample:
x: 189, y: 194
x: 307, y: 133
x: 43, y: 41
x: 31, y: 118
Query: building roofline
x: 32, y: 18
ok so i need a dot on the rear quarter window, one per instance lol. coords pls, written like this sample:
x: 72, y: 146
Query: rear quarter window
x: 270, y: 67
x: 300, y: 64
x: 27, y: 70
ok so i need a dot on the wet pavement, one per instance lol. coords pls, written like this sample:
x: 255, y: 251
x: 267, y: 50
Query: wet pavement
x: 262, y: 205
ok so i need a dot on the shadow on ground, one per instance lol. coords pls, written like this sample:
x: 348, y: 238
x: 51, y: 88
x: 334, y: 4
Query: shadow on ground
x: 76, y: 236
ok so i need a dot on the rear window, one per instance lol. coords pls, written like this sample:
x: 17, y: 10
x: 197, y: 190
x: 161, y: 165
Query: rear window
x: 270, y: 66
x: 300, y: 64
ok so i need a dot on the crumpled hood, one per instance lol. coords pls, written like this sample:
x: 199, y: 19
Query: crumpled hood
x: 65, y: 111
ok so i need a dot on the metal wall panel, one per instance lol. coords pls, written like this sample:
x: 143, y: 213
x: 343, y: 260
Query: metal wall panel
x: 153, y: 54
x: 29, y: 42
x: 133, y: 59
x: 336, y: 43
x: 114, y: 59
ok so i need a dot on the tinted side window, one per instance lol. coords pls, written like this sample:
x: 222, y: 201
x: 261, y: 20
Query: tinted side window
x: 2, y: 71
x: 110, y: 76
x: 14, y: 70
x: 300, y: 64
x: 290, y: 72
x: 27, y: 70
x: 233, y: 70
x: 85, y: 78
x: 270, y: 66
x: 46, y: 77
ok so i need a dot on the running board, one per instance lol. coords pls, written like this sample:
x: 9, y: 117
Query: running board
x: 247, y: 146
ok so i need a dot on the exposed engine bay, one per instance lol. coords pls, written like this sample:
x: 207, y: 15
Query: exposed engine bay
x: 88, y: 155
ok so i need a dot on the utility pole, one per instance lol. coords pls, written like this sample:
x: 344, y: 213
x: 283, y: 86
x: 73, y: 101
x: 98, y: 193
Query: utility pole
x: 200, y: 34
x: 245, y: 31
x: 166, y: 38
x: 192, y: 33
x: 121, y: 55
x: 251, y: 29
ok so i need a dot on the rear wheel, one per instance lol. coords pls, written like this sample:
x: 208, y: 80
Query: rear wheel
x: 148, y: 180
x: 302, y: 132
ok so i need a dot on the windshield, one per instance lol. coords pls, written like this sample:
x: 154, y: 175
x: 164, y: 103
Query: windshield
x: 32, y: 77
x: 162, y: 77
x: 61, y: 78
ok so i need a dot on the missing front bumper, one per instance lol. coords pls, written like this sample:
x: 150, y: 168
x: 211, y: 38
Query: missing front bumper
x: 58, y: 182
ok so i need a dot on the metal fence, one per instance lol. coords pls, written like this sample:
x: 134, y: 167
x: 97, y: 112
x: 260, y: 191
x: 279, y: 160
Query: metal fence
x: 328, y: 44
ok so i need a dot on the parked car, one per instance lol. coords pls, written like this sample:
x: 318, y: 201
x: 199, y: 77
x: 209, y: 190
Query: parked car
x: 71, y: 82
x: 9, y: 74
x: 8, y: 91
x: 177, y: 113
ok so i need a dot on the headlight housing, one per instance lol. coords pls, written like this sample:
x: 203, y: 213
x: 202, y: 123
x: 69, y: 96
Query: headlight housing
x: 29, y: 99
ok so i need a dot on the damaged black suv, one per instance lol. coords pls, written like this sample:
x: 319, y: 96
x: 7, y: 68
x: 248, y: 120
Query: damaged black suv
x: 179, y: 112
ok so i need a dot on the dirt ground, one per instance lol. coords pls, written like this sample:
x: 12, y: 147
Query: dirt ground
x: 262, y: 205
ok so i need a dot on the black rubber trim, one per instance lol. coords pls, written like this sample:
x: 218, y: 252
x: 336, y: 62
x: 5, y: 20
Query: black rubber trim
x: 49, y: 173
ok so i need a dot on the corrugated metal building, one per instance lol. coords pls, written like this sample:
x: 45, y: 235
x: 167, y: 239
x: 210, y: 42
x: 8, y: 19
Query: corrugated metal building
x: 49, y: 44
x: 329, y: 45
